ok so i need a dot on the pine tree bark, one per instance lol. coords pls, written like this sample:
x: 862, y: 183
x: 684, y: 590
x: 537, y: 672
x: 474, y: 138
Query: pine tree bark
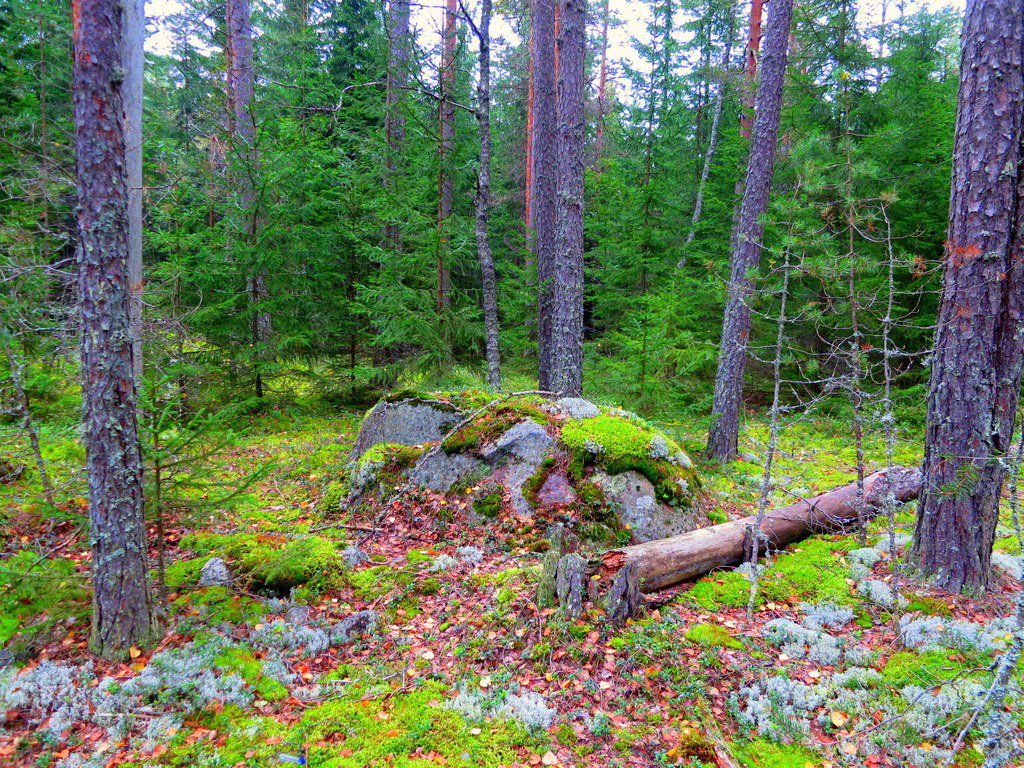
x: 394, y: 118
x: 446, y: 145
x: 567, y: 272
x: 979, y: 342
x: 544, y: 178
x: 725, y: 417
x: 716, y: 123
x: 122, y: 604
x: 241, y: 87
x: 133, y: 58
x: 488, y: 277
x: 750, y: 66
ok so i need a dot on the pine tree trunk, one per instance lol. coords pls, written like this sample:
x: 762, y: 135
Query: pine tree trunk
x: 602, y: 87
x: 241, y: 87
x: 725, y: 417
x: 544, y: 179
x: 979, y: 343
x: 488, y: 278
x: 709, y: 154
x: 750, y: 66
x: 122, y: 604
x: 446, y: 144
x: 134, y: 60
x: 394, y: 119
x: 567, y: 274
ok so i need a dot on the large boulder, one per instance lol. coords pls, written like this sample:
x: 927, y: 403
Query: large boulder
x: 634, y: 501
x: 604, y: 467
x: 413, y: 420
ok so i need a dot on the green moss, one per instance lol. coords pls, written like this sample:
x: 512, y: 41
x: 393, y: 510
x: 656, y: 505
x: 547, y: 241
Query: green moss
x: 401, y: 731
x: 930, y: 606
x: 923, y: 669
x: 276, y: 563
x: 182, y: 573
x: 333, y: 496
x: 721, y: 590
x: 536, y: 480
x: 417, y: 556
x: 812, y: 572
x: 429, y: 587
x: 566, y: 735
x: 528, y: 575
x: 621, y: 444
x: 717, y: 516
x: 488, y: 500
x: 712, y: 636
x: 244, y: 663
x: 493, y: 423
x: 1008, y: 544
x: 217, y: 604
x: 762, y: 753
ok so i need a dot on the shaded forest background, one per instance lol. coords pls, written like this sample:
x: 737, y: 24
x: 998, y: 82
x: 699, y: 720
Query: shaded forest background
x: 861, y: 184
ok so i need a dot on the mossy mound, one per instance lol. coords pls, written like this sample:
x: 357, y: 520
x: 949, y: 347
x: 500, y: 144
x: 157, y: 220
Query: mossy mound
x: 608, y: 468
x: 272, y: 564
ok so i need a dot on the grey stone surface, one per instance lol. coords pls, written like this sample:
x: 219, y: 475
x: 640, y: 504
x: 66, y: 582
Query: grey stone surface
x: 525, y: 441
x: 409, y: 422
x: 215, y: 573
x: 578, y: 408
x: 357, y: 625
x: 633, y: 498
x: 354, y: 556
x: 569, y: 584
x: 439, y: 472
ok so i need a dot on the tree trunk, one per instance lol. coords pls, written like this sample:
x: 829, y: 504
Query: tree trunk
x: 665, y: 562
x: 750, y: 65
x: 133, y: 58
x: 544, y: 178
x: 979, y: 342
x: 446, y: 144
x: 488, y: 279
x: 725, y: 417
x: 241, y: 87
x: 567, y: 265
x: 394, y: 119
x: 122, y: 604
x: 709, y: 154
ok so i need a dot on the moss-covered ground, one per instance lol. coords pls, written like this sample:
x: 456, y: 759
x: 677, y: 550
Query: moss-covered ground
x: 463, y: 668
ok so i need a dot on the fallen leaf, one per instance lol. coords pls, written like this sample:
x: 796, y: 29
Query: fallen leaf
x: 550, y: 758
x: 134, y: 652
x: 485, y: 681
x: 839, y: 719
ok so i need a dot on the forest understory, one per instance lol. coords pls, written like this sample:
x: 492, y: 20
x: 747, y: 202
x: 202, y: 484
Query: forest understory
x: 435, y: 652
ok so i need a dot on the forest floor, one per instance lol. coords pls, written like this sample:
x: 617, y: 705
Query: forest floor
x: 456, y: 665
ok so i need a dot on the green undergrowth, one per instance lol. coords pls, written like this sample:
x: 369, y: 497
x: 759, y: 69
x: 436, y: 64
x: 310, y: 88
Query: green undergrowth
x: 924, y: 669
x: 383, y: 465
x: 620, y: 443
x: 712, y: 636
x: 403, y: 730
x: 212, y: 605
x: 762, y: 753
x: 812, y: 571
x: 270, y: 563
x: 242, y: 662
x: 37, y: 592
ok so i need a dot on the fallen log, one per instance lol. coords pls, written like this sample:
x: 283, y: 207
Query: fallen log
x: 664, y: 562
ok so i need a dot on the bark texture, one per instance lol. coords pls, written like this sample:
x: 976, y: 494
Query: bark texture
x: 488, y: 278
x: 446, y: 145
x: 122, y: 605
x: 665, y: 562
x: 979, y: 343
x: 566, y: 356
x: 394, y: 118
x: 543, y: 178
x: 725, y: 415
x: 750, y: 67
x: 133, y: 59
x: 241, y: 88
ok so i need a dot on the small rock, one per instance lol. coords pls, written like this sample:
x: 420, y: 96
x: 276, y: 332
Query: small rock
x: 215, y: 573
x: 556, y: 491
x: 750, y: 458
x: 357, y: 625
x: 354, y: 556
x: 297, y: 613
x: 578, y: 408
